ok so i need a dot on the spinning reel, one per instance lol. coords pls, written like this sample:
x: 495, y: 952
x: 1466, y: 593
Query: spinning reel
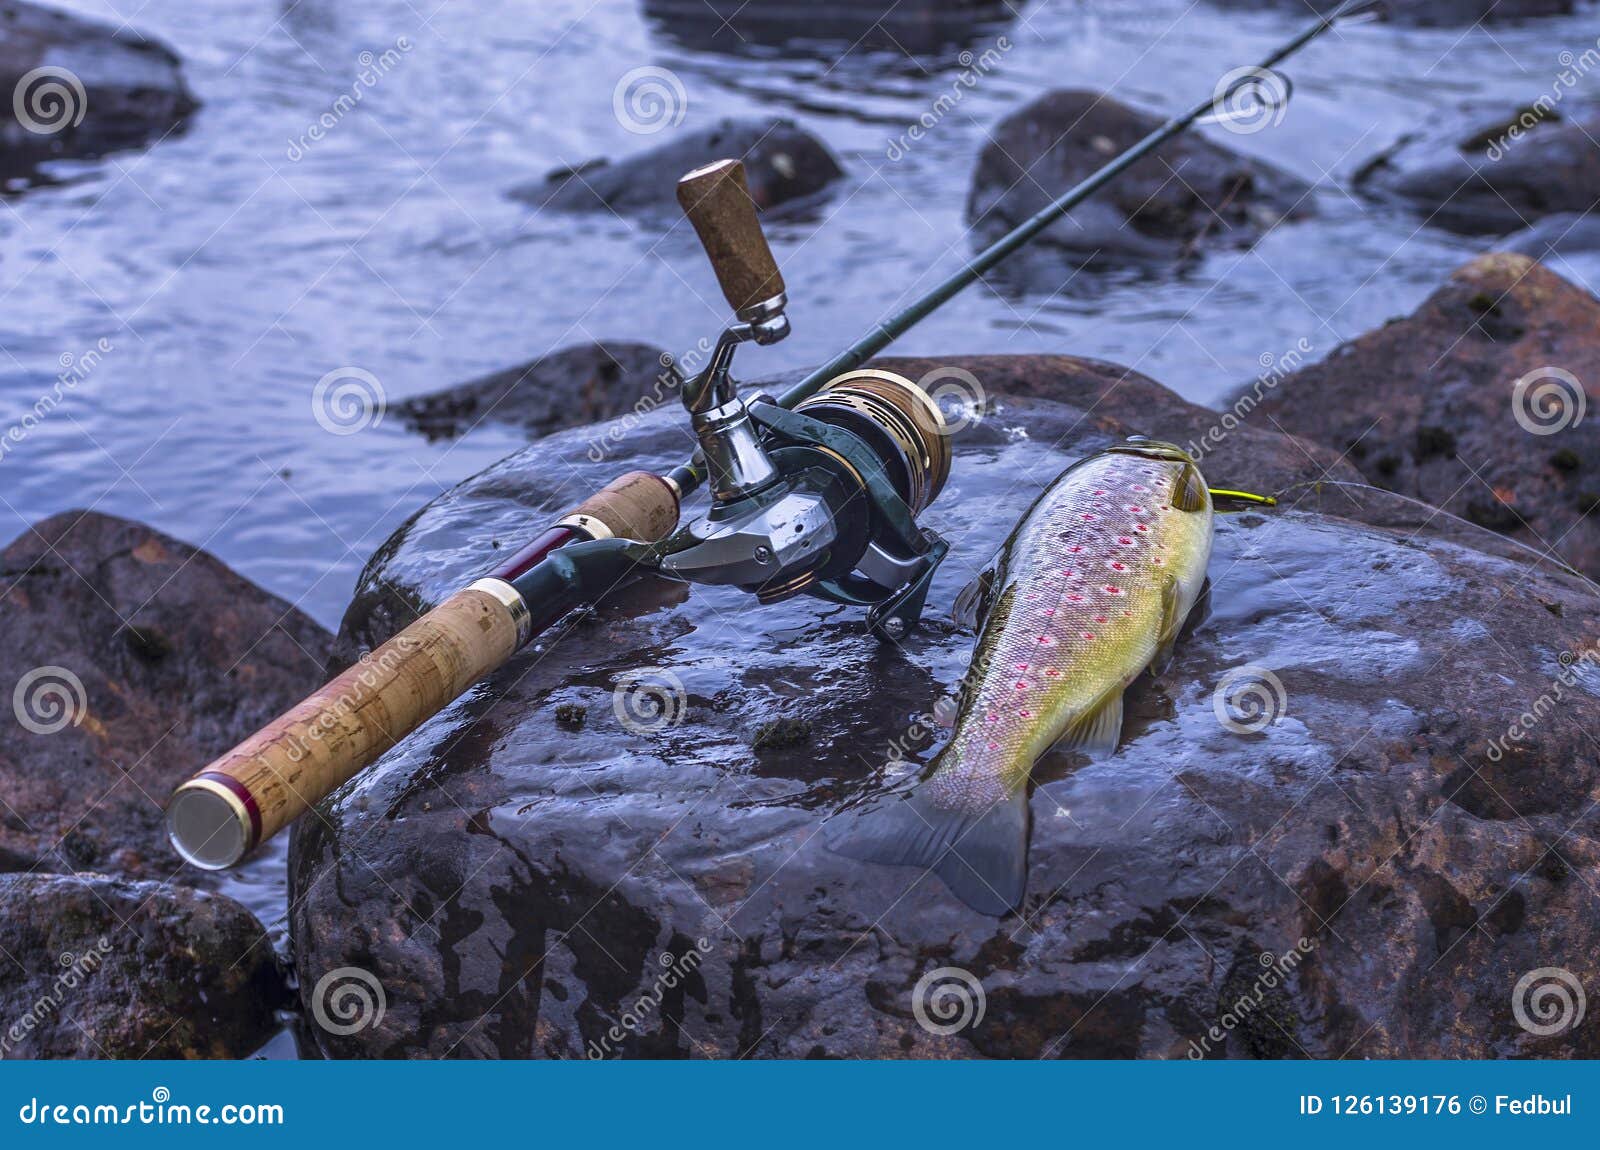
x: 820, y: 498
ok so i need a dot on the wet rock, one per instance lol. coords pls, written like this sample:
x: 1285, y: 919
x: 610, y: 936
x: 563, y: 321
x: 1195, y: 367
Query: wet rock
x: 1415, y: 798
x: 97, y: 967
x: 77, y: 88
x: 783, y: 163
x: 1497, y: 174
x: 1429, y: 13
x: 1191, y: 192
x: 1475, y: 403
x: 128, y: 660
x: 571, y: 387
x: 749, y: 27
x: 1564, y: 234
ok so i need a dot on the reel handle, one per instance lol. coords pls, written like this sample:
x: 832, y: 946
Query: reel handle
x: 716, y: 198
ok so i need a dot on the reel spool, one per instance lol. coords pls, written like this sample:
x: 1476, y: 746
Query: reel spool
x: 902, y: 423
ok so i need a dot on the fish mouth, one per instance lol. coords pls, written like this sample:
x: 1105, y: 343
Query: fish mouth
x: 1148, y: 448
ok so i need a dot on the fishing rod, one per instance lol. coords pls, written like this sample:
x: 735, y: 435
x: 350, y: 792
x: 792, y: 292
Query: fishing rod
x: 817, y: 492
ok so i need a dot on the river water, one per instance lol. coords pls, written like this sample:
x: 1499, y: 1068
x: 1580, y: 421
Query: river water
x: 231, y: 268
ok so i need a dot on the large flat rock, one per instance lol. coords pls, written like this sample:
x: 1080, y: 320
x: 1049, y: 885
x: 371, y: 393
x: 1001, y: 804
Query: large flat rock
x: 529, y: 876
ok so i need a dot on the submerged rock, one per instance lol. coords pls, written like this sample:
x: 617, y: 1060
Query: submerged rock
x: 783, y: 163
x: 1497, y: 175
x: 76, y: 88
x: 129, y: 660
x: 1429, y: 13
x: 1190, y: 193
x: 1475, y: 402
x: 568, y: 388
x: 1370, y: 752
x: 105, y: 968
x: 1567, y: 233
x: 751, y: 27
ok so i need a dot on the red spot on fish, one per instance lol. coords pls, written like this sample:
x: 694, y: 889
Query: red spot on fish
x: 1124, y: 540
x: 1089, y: 635
x: 1046, y: 641
x: 1022, y: 666
x: 1049, y: 610
x: 1053, y: 673
x: 994, y: 746
x: 1112, y: 589
x: 1088, y: 517
x: 1136, y: 509
x: 1075, y: 548
x: 1140, y: 487
x: 1118, y: 567
x: 1141, y: 527
x: 1026, y: 714
x: 1076, y: 598
x: 1022, y: 685
x: 1099, y: 618
x: 1157, y: 561
x: 994, y: 718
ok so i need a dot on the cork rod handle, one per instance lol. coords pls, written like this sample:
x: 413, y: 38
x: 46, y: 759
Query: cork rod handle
x: 253, y: 791
x: 717, y: 201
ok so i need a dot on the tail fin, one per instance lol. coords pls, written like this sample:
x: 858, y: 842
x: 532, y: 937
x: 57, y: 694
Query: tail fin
x: 981, y: 856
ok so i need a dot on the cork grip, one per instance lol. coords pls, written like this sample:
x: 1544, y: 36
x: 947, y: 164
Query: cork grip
x: 638, y: 505
x: 717, y: 201
x: 294, y: 762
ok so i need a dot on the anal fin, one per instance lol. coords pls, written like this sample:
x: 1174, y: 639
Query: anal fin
x: 1098, y: 730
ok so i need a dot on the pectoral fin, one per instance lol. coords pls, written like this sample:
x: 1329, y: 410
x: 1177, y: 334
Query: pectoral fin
x: 973, y: 603
x: 1189, y: 491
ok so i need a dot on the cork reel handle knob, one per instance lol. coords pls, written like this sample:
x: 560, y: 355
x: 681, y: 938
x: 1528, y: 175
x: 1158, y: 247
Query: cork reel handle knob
x: 716, y: 198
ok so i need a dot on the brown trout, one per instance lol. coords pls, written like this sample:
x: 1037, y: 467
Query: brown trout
x: 1091, y: 588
